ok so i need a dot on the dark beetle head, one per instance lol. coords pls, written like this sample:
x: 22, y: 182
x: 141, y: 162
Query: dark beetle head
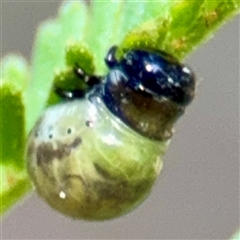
x: 160, y: 75
x: 148, y: 91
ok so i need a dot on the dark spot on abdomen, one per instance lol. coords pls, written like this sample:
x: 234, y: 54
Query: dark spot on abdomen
x: 103, y: 173
x: 30, y: 149
x: 77, y: 141
x: 46, y: 153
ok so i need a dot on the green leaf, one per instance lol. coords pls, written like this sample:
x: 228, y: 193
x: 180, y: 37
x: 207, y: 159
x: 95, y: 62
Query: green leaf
x: 236, y: 236
x: 13, y: 83
x: 183, y: 28
x: 103, y: 28
x: 12, y: 125
x: 77, y: 54
x: 48, y: 54
x: 14, y: 178
x: 14, y: 185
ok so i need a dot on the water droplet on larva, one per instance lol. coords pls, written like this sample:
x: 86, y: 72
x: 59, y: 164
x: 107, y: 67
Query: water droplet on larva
x: 89, y: 123
x: 62, y: 195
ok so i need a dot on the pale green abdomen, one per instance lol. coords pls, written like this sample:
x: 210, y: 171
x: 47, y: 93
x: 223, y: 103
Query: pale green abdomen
x: 87, y: 164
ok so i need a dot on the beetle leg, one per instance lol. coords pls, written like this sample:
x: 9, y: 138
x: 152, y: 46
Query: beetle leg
x: 70, y: 94
x: 90, y: 80
x: 110, y: 58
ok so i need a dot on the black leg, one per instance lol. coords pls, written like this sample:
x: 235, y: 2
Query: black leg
x: 79, y: 72
x: 110, y: 58
x: 90, y: 80
x: 70, y: 94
